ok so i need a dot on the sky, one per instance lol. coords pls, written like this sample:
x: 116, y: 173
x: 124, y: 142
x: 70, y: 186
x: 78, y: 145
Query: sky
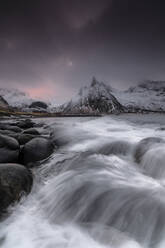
x: 51, y: 48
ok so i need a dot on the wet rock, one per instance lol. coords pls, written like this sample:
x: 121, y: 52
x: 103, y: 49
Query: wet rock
x: 10, y: 134
x: 7, y: 132
x: 25, y: 124
x: 144, y: 145
x: 32, y: 131
x: 15, y: 129
x: 15, y: 180
x: 24, y: 138
x: 35, y: 150
x: 115, y: 147
x: 9, y: 149
x: 153, y: 162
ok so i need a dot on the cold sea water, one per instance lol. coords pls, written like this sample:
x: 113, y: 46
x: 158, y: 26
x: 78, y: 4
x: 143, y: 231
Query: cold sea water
x: 103, y: 187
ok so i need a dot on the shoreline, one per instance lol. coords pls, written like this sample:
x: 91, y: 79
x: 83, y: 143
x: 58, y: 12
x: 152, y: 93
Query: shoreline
x: 9, y: 114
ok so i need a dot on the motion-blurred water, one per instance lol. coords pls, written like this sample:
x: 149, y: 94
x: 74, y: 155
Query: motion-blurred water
x: 104, y: 187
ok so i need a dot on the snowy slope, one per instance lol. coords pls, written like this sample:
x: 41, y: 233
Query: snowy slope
x: 93, y: 99
x: 15, y: 98
x: 22, y: 100
x: 148, y: 95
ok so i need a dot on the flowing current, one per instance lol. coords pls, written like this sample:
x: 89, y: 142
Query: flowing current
x: 103, y: 187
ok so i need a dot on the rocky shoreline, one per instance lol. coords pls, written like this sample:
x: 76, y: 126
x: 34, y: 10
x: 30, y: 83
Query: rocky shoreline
x: 21, y: 147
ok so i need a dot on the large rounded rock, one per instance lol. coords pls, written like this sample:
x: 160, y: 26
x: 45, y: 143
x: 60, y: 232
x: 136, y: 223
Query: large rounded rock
x: 115, y: 147
x: 35, y: 150
x: 153, y: 162
x: 144, y: 145
x: 10, y: 134
x: 24, y: 124
x: 32, y: 131
x: 10, y: 128
x: 24, y: 138
x: 9, y: 149
x: 7, y: 132
x: 15, y: 180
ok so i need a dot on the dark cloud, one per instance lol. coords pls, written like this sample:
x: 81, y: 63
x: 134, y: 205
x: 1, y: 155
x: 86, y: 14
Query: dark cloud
x: 66, y: 42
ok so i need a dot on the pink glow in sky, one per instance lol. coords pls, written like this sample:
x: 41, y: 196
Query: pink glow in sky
x: 49, y: 91
x: 43, y: 92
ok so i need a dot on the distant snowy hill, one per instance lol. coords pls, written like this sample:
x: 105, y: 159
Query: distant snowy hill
x: 94, y: 99
x: 16, y: 98
x: 148, y: 95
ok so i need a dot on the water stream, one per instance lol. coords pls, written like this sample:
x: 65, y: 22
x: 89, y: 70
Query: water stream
x: 101, y: 189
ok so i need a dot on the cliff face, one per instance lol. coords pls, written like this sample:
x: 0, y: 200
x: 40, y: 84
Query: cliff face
x: 3, y: 103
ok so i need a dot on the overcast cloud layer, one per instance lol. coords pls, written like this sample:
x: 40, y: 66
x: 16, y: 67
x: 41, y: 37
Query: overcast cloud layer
x: 53, y: 47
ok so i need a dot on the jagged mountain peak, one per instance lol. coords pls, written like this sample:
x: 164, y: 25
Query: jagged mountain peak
x: 96, y: 83
x: 95, y: 88
x: 95, y: 98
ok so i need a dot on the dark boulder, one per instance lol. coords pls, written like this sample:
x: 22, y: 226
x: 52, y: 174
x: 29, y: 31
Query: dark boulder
x: 10, y: 134
x: 32, y: 131
x: 35, y: 150
x: 24, y: 138
x: 40, y: 124
x: 144, y: 145
x: 4, y: 126
x: 9, y: 149
x: 115, y: 147
x: 7, y: 132
x: 38, y: 104
x: 15, y: 180
x: 25, y: 124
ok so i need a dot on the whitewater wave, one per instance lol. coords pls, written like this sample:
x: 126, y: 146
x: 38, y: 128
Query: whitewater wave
x: 93, y: 191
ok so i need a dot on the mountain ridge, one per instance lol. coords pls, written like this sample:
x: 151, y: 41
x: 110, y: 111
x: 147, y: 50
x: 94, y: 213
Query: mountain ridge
x: 15, y: 97
x: 146, y: 95
x: 96, y: 98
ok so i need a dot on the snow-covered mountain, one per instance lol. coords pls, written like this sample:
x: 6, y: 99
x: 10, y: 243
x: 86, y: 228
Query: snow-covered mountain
x: 98, y: 98
x: 16, y: 98
x: 94, y: 99
x: 148, y: 95
x: 102, y: 98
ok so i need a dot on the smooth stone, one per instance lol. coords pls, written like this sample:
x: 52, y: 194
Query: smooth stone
x: 24, y: 138
x: 144, y: 145
x: 32, y: 131
x: 10, y: 128
x: 9, y: 149
x: 35, y: 150
x: 15, y: 180
x: 25, y: 124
